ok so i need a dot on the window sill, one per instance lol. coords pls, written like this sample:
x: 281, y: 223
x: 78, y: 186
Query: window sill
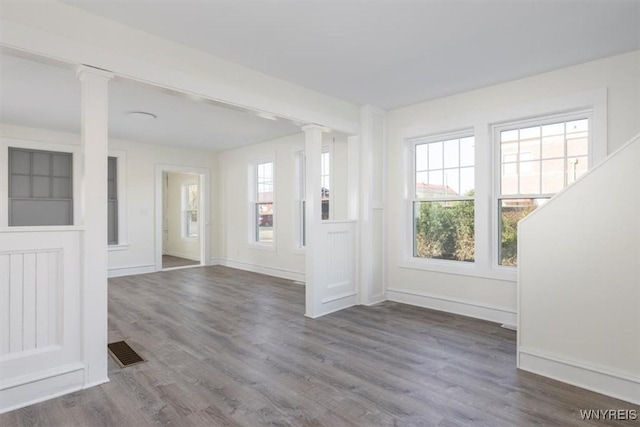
x: 461, y: 268
x: 119, y: 247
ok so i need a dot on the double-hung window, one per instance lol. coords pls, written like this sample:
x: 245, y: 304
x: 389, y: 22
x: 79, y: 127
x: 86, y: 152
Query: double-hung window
x: 443, y: 199
x: 263, y: 203
x: 536, y: 160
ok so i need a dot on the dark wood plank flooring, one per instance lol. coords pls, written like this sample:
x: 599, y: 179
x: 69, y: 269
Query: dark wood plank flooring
x: 227, y: 347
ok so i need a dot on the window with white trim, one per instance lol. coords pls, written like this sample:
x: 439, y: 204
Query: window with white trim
x: 325, y: 183
x: 40, y: 187
x: 263, y: 203
x: 536, y: 160
x: 112, y: 201
x: 444, y: 198
x: 190, y: 196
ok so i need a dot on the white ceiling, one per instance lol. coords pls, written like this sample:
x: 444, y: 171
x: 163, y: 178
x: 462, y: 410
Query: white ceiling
x: 390, y: 53
x: 47, y: 95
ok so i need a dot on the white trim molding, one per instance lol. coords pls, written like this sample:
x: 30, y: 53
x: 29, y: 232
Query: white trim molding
x: 263, y: 269
x: 617, y: 385
x: 42, y: 386
x: 453, y: 305
x: 131, y: 271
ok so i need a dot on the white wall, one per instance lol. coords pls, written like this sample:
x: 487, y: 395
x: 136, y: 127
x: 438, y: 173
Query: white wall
x: 486, y: 297
x: 137, y: 254
x: 284, y: 258
x: 579, y: 277
x: 176, y: 243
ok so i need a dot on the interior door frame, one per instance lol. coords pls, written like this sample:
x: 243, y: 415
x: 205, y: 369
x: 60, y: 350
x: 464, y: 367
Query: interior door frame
x: 204, y: 227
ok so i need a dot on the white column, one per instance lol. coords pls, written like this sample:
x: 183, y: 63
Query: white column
x: 372, y: 196
x: 93, y: 215
x: 313, y: 150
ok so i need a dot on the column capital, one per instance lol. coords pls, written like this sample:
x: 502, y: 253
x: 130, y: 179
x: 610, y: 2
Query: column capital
x: 85, y: 71
x: 311, y: 127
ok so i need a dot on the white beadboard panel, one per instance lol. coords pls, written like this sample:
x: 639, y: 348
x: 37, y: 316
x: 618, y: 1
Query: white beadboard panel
x: 337, y: 277
x: 40, y: 302
x: 14, y: 327
x: 4, y: 304
x: 28, y: 300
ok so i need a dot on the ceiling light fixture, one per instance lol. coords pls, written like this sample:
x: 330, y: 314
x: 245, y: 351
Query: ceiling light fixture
x: 141, y: 116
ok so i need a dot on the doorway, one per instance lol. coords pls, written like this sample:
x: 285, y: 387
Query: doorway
x: 180, y: 214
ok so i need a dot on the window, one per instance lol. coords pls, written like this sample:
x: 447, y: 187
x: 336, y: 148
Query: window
x: 40, y: 188
x: 263, y: 203
x: 325, y: 183
x: 302, y: 195
x: 443, y: 202
x: 190, y: 198
x: 537, y: 161
x: 112, y: 201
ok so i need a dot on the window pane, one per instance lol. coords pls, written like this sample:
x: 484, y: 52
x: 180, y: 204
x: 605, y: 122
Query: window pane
x: 444, y: 230
x: 435, y: 155
x: 467, y: 154
x: 61, y: 188
x: 577, y: 146
x: 529, y: 133
x: 552, y: 175
x: 530, y: 149
x: 530, y: 178
x: 422, y: 151
x: 422, y: 184
x: 512, y: 211
x: 553, y: 147
x: 264, y: 216
x: 467, y: 181
x: 451, y: 154
x: 20, y: 186
x: 42, y: 187
x: 20, y: 161
x: 509, y: 183
x: 553, y: 129
x: 62, y: 165
x: 436, y: 180
x: 41, y: 163
x: 452, y: 182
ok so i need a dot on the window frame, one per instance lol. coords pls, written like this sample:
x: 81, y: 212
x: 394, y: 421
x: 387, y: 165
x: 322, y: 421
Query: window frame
x: 121, y: 189
x: 497, y: 196
x: 74, y: 150
x: 253, y: 226
x: 482, y: 123
x: 433, y: 264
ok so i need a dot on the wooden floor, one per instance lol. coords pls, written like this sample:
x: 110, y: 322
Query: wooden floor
x: 170, y: 261
x: 226, y: 347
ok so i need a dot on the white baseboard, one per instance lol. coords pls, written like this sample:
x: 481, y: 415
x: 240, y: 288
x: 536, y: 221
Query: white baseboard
x: 49, y: 385
x: 619, y: 386
x: 451, y: 305
x: 269, y: 271
x: 375, y: 299
x: 183, y: 255
x: 130, y: 271
x: 333, y: 304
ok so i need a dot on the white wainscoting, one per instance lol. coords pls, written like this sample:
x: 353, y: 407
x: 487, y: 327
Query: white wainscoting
x: 336, y: 277
x: 40, y: 314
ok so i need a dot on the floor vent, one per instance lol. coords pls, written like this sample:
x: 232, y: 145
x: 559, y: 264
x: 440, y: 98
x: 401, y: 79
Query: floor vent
x: 123, y: 354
